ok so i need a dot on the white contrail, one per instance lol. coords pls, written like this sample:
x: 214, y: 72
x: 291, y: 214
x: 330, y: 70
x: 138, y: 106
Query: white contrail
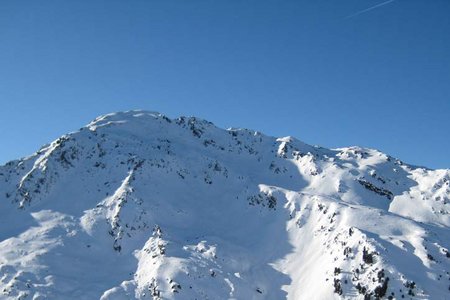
x: 368, y: 9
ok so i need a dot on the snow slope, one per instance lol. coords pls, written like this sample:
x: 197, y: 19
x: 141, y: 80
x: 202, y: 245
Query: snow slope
x: 138, y: 206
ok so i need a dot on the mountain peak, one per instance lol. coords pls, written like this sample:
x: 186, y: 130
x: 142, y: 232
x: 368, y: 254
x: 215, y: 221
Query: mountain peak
x: 156, y: 208
x: 125, y: 116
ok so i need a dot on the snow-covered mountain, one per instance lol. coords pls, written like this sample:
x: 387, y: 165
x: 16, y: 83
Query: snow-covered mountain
x: 138, y: 206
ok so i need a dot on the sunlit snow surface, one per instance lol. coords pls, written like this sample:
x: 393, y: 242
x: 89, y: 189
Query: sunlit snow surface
x: 139, y: 206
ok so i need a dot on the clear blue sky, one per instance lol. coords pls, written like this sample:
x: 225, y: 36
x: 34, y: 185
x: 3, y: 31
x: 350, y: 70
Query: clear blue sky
x: 308, y: 69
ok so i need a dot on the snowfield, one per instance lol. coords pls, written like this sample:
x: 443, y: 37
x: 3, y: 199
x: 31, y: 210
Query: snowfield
x: 139, y: 206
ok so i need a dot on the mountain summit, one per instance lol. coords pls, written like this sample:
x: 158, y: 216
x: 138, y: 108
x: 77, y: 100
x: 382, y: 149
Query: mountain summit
x: 139, y: 206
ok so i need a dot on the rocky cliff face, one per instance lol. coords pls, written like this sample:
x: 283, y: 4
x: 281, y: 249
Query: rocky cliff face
x: 138, y: 206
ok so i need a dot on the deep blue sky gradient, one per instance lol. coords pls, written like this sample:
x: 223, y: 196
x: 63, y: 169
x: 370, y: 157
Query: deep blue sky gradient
x: 380, y: 79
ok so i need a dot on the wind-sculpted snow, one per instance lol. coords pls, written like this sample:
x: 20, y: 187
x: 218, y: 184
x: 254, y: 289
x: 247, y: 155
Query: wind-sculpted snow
x: 139, y: 206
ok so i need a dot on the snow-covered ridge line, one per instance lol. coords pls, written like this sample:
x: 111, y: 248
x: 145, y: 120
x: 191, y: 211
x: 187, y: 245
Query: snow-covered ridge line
x: 156, y: 208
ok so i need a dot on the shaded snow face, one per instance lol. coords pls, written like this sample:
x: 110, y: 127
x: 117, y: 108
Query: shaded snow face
x: 138, y: 206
